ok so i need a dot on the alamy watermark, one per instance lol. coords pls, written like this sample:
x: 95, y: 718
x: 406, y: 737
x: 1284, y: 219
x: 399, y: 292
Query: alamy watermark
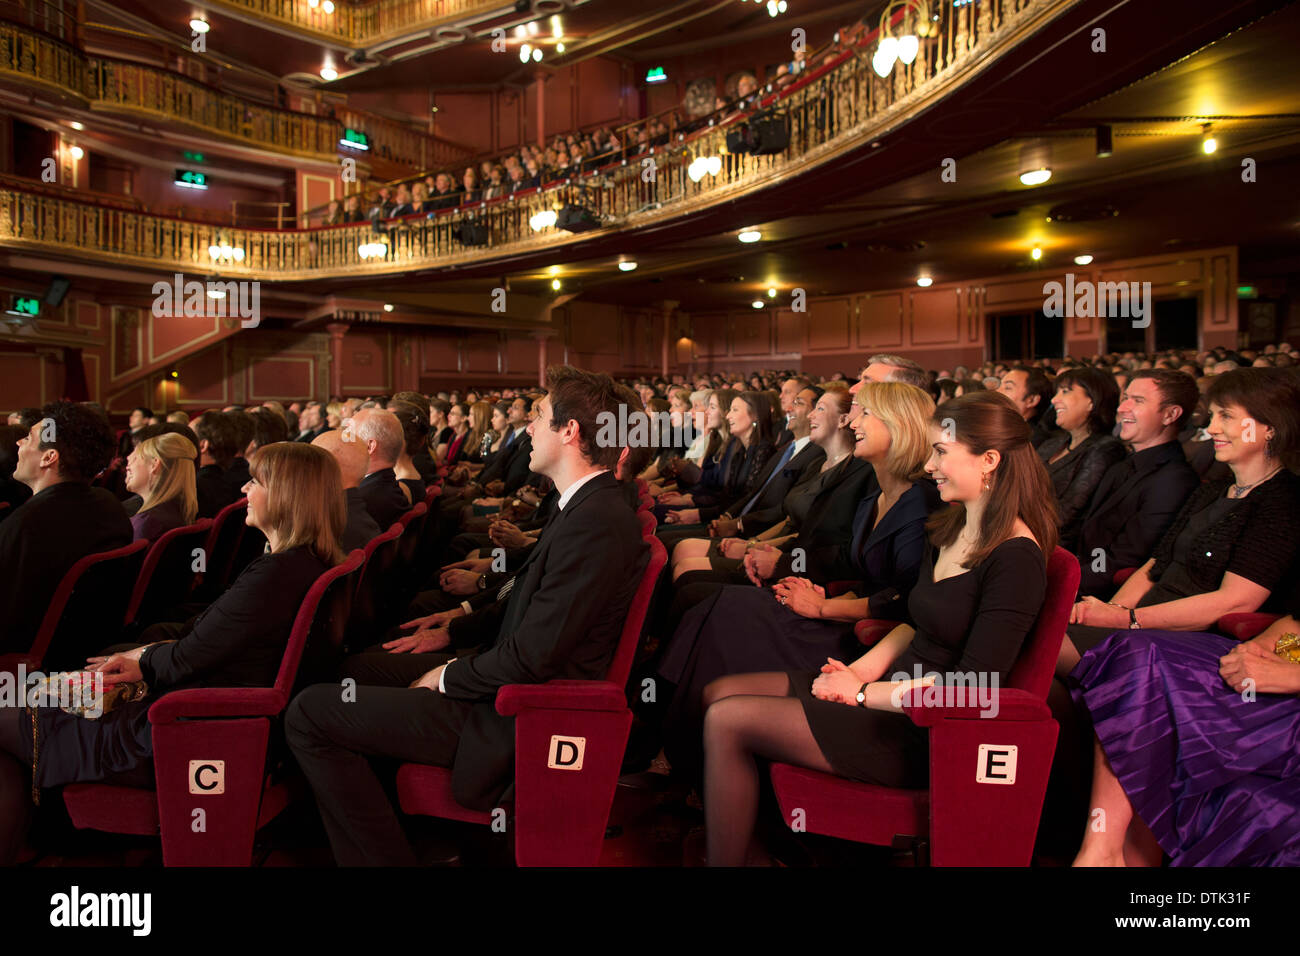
x: 1087, y: 299
x: 636, y: 429
x: 241, y: 300
x: 77, y: 692
x: 976, y: 689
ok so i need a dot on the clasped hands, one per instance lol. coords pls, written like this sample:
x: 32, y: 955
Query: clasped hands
x: 837, y: 683
x: 1251, y: 660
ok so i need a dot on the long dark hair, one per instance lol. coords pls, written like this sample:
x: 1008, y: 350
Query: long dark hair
x: 760, y: 409
x: 1019, y: 486
x: 718, y: 445
x: 1101, y: 388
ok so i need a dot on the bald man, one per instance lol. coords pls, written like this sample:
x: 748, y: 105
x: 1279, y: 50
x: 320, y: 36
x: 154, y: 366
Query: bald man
x: 353, y: 463
x: 379, y: 432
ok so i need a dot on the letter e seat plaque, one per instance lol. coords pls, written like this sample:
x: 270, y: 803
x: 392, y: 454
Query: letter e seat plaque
x: 997, y: 764
x: 566, y: 753
x: 207, y: 777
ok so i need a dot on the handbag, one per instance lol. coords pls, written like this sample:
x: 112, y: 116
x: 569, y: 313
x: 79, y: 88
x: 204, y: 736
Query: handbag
x: 1288, y: 647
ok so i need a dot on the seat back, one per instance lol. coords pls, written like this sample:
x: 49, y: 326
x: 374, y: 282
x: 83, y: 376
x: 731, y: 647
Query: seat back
x: 315, y: 647
x: 412, y: 523
x: 1036, y: 662
x: 431, y: 494
x: 223, y: 541
x: 93, y: 593
x: 648, y: 523
x: 380, y: 556
x: 168, y: 574
x: 621, y: 666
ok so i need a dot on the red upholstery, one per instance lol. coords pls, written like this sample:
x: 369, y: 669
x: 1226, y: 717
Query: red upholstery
x: 967, y: 822
x: 373, y: 582
x: 200, y: 729
x: 168, y: 575
x: 870, y: 630
x: 648, y: 522
x: 839, y: 588
x: 1122, y: 575
x: 1245, y: 626
x: 94, y: 591
x: 559, y: 814
x: 431, y: 494
x: 413, y: 524
x: 223, y: 541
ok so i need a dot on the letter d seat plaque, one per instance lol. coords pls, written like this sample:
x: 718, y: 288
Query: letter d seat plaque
x: 566, y: 753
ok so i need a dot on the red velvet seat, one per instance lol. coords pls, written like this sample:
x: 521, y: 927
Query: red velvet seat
x: 94, y: 590
x: 202, y: 735
x: 559, y: 814
x: 169, y: 574
x: 648, y: 522
x: 373, y: 587
x: 966, y: 821
x: 223, y: 541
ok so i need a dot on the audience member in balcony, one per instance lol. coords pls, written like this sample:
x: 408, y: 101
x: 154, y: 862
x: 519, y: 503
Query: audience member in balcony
x: 444, y: 195
x: 421, y: 204
x: 847, y: 720
x: 1139, y: 497
x: 415, y: 438
x: 1030, y: 390
x: 382, y: 207
x: 218, y: 441
x: 64, y: 520
x: 296, y: 500
x: 1215, y: 780
x: 1085, y: 404
x: 380, y: 433
x: 402, y: 202
x: 534, y: 173
x: 469, y: 186
x: 334, y: 214
x: 360, y: 527
x: 495, y: 184
x: 1233, y: 546
x: 161, y: 471
x: 352, y: 211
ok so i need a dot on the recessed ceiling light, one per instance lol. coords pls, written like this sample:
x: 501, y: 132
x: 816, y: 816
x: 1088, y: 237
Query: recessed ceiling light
x: 77, y: 126
x: 77, y: 152
x: 214, y: 293
x: 627, y: 265
x: 1208, y: 143
x: 750, y: 235
x: 1082, y: 260
x: 328, y: 73
x: 771, y: 293
x: 388, y: 307
x: 924, y: 281
x: 758, y: 303
x: 555, y: 284
x: 1035, y: 177
x: 559, y: 48
x: 199, y: 25
x: 1037, y: 253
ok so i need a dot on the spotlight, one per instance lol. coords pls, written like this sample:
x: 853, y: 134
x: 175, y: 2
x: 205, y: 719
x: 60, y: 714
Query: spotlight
x: 1083, y: 260
x: 771, y: 293
x: 525, y: 52
x: 388, y: 307
x: 1036, y: 254
x: 1208, y: 143
x: 924, y: 281
x: 555, y: 284
x: 1105, y: 143
x: 1035, y: 164
x: 199, y: 25
x: 758, y: 303
x: 1035, y: 177
x: 750, y: 235
x: 328, y: 73
x: 559, y: 48
x: 627, y: 265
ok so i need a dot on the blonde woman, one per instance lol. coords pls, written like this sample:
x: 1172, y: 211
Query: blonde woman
x: 334, y: 415
x: 295, y: 497
x: 161, y: 471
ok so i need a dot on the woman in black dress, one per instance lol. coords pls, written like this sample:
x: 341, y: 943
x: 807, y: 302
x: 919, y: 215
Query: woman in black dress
x: 415, y: 434
x: 981, y: 586
x: 749, y: 420
x: 1085, y: 403
x: 295, y: 497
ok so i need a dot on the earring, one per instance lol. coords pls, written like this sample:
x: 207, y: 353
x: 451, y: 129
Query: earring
x: 988, y: 482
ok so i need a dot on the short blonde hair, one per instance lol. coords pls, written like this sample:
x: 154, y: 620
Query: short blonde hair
x: 176, y: 454
x: 905, y: 411
x: 304, y: 496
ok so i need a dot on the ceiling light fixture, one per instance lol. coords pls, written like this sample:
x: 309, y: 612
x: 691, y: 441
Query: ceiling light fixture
x: 627, y: 265
x: 328, y: 74
x: 525, y: 51
x: 199, y: 25
x: 76, y: 152
x: 1036, y: 254
x: 537, y: 54
x: 924, y: 281
x: 1035, y: 164
x: 771, y: 293
x: 557, y: 27
x: 559, y: 48
x: 1208, y: 143
x: 1083, y: 260
x: 532, y: 28
x: 555, y: 284
x: 77, y: 126
x: 758, y: 303
x: 750, y: 235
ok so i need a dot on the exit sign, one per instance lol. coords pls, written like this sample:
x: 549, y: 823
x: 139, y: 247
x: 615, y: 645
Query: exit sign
x: 25, y: 305
x: 190, y: 179
x: 355, y: 139
x: 193, y: 157
x: 657, y: 75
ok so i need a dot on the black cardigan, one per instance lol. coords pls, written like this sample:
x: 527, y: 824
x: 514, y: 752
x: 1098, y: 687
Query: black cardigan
x: 1076, y: 476
x: 744, y: 474
x: 1257, y: 540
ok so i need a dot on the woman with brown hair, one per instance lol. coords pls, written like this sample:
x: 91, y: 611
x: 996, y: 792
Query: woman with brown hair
x: 981, y: 586
x: 295, y: 497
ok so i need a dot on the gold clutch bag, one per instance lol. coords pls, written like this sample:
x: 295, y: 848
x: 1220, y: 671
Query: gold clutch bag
x: 1288, y: 648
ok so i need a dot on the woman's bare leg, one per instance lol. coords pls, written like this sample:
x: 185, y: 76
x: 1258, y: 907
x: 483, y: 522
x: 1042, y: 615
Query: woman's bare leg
x: 1109, y: 816
x: 1067, y: 658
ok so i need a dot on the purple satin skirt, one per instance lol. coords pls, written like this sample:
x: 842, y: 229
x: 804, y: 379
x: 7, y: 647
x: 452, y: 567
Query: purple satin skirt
x: 1215, y: 777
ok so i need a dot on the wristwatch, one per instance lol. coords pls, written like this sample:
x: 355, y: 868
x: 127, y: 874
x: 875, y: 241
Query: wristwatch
x: 482, y: 582
x: 862, y: 695
x: 1133, y: 624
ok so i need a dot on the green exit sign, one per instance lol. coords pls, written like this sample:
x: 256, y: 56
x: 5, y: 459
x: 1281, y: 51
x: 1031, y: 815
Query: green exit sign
x: 656, y: 75
x: 26, y: 305
x: 190, y: 179
x: 355, y: 139
x: 193, y: 157
x: 1245, y: 292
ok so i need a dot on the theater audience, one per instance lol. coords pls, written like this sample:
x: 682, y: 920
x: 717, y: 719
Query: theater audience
x: 380, y: 434
x: 296, y: 500
x: 1030, y: 390
x: 218, y: 440
x: 456, y: 435
x: 161, y: 471
x: 312, y: 423
x: 1138, y: 497
x: 1233, y: 546
x: 751, y: 426
x: 415, y: 438
x: 1085, y: 404
x: 353, y: 462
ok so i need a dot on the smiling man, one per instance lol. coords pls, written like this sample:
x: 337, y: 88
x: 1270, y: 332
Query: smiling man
x: 562, y: 620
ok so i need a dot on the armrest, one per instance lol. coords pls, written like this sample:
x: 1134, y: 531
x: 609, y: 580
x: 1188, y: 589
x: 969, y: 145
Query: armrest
x: 1241, y: 626
x: 561, y: 695
x: 217, y: 702
x: 1122, y: 575
x: 1008, y: 703
x: 835, y: 588
x: 870, y: 630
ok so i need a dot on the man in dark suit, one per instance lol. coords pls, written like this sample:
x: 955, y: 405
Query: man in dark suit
x: 1030, y: 390
x: 237, y: 474
x: 353, y: 463
x: 1139, y: 497
x: 380, y: 434
x: 562, y: 619
x: 218, y: 441
x: 312, y: 422
x: 64, y: 520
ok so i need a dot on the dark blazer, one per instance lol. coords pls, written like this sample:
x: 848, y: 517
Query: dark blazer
x: 888, y: 557
x: 563, y: 619
x: 236, y: 476
x: 1133, y: 506
x: 43, y: 538
x: 497, y: 462
x: 361, y: 527
x: 239, y: 640
x: 519, y: 470
x: 383, y: 496
x: 214, y: 492
x: 769, y: 507
x: 1257, y: 540
x: 1076, y: 476
x: 827, y: 530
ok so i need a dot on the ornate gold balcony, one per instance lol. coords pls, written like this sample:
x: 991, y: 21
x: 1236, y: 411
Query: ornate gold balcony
x: 361, y: 25
x: 830, y: 110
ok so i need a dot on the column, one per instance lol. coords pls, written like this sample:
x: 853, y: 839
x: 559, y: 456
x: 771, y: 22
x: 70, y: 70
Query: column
x: 542, y: 338
x: 336, y: 330
x: 539, y: 91
x: 668, y: 308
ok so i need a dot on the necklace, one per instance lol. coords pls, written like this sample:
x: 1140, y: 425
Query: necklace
x: 1239, y: 491
x: 836, y: 460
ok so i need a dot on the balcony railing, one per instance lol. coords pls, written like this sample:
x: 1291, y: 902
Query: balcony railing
x: 362, y: 25
x: 828, y: 110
